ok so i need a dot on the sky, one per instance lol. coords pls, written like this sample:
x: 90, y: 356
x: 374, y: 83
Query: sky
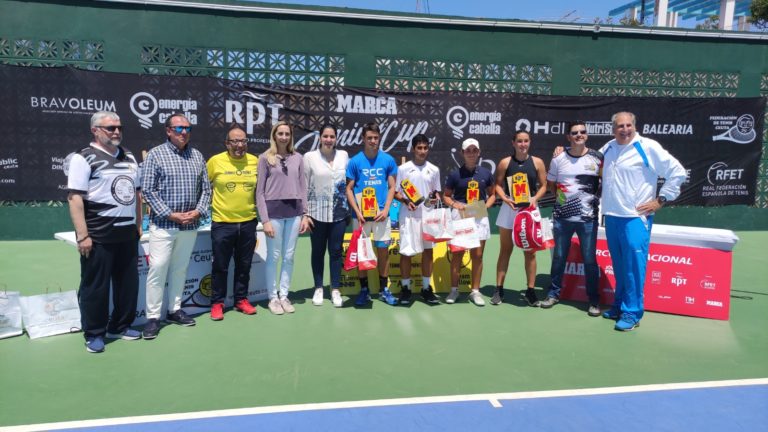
x: 537, y: 10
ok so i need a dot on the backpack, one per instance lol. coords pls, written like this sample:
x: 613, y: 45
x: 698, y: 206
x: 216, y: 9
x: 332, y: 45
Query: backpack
x: 527, y: 232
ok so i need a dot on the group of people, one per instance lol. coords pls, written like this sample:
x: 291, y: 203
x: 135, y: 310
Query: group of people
x: 320, y: 193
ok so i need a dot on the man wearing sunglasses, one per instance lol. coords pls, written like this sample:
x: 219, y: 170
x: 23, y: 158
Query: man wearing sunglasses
x: 103, y: 183
x: 574, y: 178
x: 176, y: 187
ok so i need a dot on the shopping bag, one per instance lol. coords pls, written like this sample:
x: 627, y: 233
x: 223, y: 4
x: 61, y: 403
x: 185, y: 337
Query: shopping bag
x: 547, y: 235
x: 10, y: 314
x: 350, y: 261
x: 436, y: 225
x: 411, y: 243
x: 366, y: 257
x: 465, y: 235
x: 527, y: 233
x: 50, y: 314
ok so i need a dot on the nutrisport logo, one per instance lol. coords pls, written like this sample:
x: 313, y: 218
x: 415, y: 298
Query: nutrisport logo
x: 147, y: 108
x: 739, y: 130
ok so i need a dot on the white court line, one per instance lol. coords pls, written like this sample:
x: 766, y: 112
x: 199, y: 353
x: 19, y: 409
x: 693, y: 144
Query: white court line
x: 495, y: 403
x: 490, y: 397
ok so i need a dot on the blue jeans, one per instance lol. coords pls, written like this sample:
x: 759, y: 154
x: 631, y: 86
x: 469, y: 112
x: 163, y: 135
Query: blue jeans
x: 327, y: 235
x: 227, y: 239
x: 562, y: 231
x: 283, y: 245
x: 628, y: 241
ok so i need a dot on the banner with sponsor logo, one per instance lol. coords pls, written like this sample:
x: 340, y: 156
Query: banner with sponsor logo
x: 44, y: 114
x: 681, y: 279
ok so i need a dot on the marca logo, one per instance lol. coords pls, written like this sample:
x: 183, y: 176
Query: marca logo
x: 573, y: 268
x: 479, y: 122
x: 667, y: 129
x: 679, y: 281
x: 671, y: 259
x: 366, y: 104
x: 690, y: 300
x: 714, y: 303
x: 70, y: 104
x: 708, y: 284
x: 255, y: 110
x: 741, y: 130
x: 144, y: 106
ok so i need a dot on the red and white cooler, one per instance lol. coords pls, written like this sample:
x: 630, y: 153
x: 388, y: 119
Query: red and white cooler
x: 688, y: 271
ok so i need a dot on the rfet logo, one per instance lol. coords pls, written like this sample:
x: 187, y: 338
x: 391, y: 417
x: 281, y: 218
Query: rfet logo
x: 719, y: 173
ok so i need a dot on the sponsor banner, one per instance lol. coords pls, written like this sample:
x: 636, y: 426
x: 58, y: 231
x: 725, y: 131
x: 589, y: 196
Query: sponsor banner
x: 681, y: 280
x: 46, y: 114
x: 441, y: 270
x: 196, y: 297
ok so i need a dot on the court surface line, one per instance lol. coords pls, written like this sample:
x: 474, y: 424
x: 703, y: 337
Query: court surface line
x: 493, y: 398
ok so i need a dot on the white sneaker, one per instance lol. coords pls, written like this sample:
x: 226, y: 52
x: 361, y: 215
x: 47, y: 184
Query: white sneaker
x: 477, y: 298
x: 275, y: 307
x: 317, y: 298
x: 336, y: 298
x: 287, y: 306
x: 452, y: 296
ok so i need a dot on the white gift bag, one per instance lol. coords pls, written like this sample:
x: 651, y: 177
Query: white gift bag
x: 10, y: 314
x: 366, y: 256
x: 436, y: 225
x: 465, y: 235
x: 50, y: 314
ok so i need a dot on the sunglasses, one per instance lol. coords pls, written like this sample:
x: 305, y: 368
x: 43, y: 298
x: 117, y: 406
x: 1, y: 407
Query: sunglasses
x: 579, y: 132
x: 180, y: 129
x: 111, y: 129
x: 284, y: 162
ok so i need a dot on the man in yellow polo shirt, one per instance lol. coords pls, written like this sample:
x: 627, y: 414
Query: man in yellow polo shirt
x: 233, y: 231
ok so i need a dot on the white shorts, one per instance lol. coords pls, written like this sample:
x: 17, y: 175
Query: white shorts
x: 411, y: 241
x: 482, y: 224
x: 506, y: 217
x: 382, y: 232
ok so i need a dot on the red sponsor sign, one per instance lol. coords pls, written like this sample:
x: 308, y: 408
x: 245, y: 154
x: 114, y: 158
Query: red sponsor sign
x: 681, y: 280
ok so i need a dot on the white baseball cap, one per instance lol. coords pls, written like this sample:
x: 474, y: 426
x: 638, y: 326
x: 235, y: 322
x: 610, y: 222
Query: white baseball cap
x: 470, y: 142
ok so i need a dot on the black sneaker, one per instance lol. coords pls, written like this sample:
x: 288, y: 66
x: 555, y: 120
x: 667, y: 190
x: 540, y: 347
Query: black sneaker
x: 498, y: 297
x: 151, y: 329
x: 429, y: 296
x: 180, y: 317
x: 530, y: 297
x: 405, y: 295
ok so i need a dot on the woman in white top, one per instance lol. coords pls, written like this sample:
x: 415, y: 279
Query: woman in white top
x: 327, y: 211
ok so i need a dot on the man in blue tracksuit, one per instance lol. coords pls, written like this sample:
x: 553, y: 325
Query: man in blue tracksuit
x: 631, y: 169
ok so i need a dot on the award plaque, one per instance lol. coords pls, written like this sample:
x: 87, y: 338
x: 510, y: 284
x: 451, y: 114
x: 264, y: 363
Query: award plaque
x: 411, y: 192
x: 369, y: 206
x: 519, y: 190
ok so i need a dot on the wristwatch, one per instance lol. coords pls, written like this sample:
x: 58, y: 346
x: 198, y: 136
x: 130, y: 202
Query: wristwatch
x: 661, y: 199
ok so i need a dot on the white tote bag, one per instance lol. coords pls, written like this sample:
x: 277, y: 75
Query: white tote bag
x: 366, y: 257
x: 10, y: 314
x: 50, y: 314
x: 436, y: 225
x: 465, y: 235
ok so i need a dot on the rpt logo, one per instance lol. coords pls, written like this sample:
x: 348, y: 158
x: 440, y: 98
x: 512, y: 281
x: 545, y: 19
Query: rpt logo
x: 679, y: 281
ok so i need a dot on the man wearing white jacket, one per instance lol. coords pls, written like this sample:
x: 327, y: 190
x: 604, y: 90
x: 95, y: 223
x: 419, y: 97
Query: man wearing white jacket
x: 631, y: 169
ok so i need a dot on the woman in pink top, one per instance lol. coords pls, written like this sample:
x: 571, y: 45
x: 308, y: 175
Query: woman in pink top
x: 281, y: 197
